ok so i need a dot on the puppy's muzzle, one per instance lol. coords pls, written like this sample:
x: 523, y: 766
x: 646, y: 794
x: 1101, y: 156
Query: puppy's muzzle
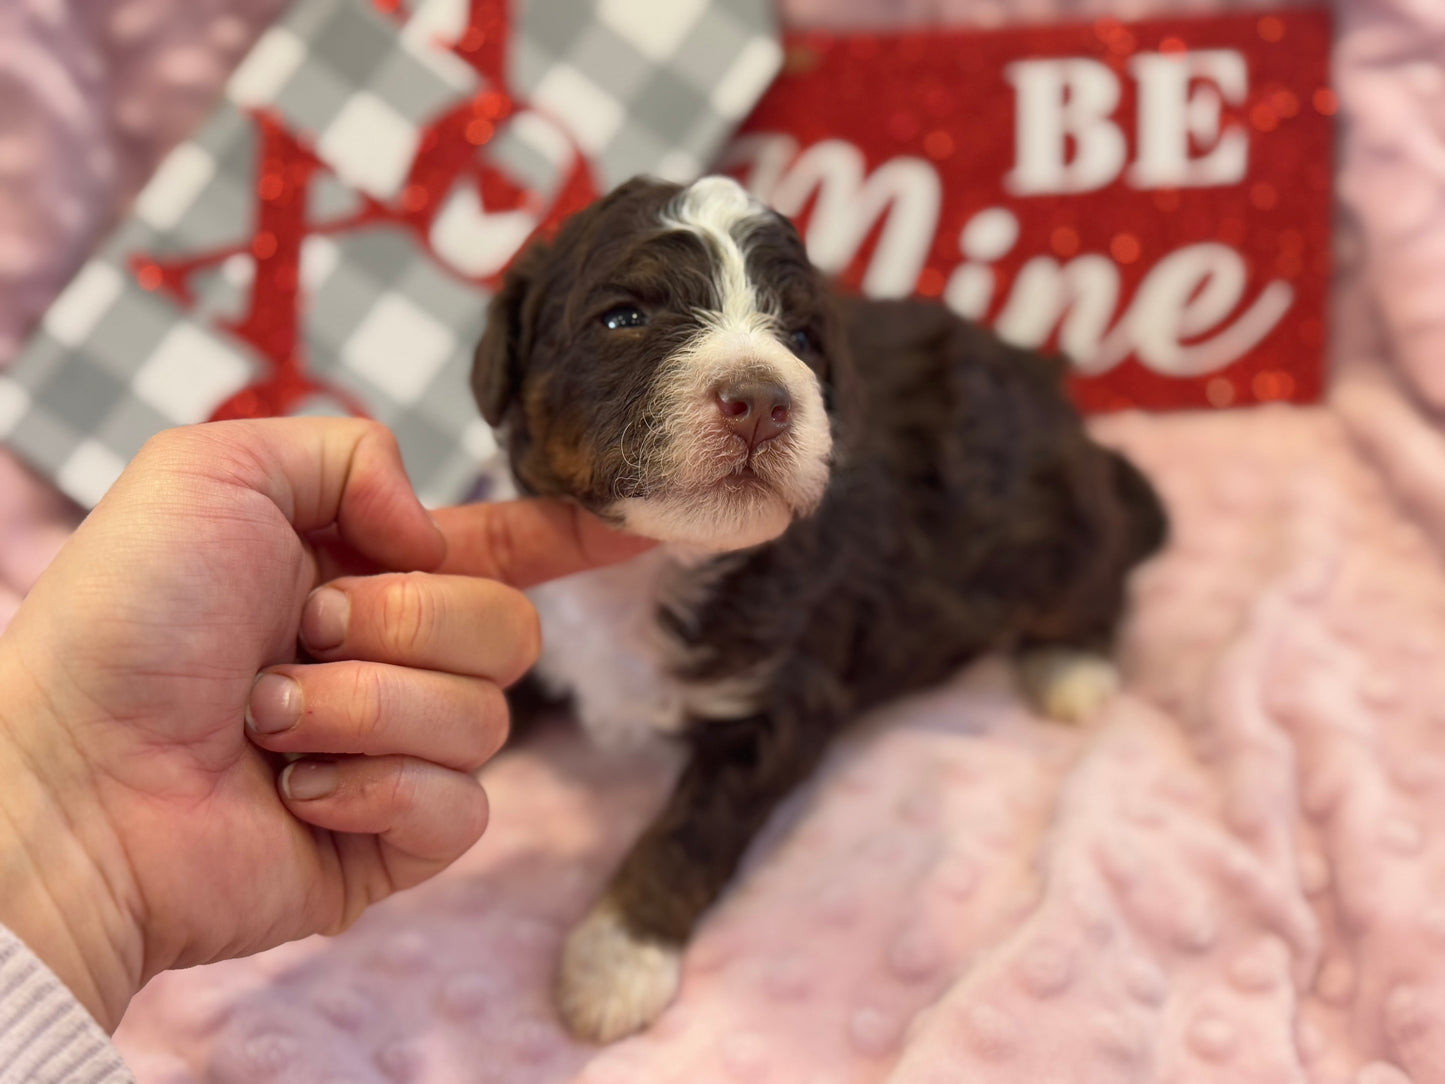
x: 755, y: 411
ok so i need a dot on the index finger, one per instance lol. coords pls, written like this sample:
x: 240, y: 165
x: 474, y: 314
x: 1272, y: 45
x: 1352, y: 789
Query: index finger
x: 529, y: 541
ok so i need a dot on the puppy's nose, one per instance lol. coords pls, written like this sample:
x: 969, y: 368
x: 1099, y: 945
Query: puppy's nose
x: 757, y: 412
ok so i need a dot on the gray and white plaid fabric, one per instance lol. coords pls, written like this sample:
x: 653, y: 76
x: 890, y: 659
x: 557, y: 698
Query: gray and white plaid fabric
x: 640, y: 86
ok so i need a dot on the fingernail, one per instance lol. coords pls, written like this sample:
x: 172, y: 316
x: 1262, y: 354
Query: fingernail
x: 275, y: 704
x: 305, y: 780
x: 323, y: 621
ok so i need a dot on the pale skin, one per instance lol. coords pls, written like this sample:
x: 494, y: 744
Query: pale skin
x: 146, y: 820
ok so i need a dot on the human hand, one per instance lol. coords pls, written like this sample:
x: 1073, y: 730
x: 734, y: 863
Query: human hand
x: 141, y: 823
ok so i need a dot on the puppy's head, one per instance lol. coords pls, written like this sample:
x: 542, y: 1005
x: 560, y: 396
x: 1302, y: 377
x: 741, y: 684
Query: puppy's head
x: 663, y: 361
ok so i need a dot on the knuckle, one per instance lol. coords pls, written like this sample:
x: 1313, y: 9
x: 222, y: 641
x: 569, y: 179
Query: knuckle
x: 408, y: 613
x: 390, y: 788
x: 371, y: 438
x: 368, y: 705
x: 351, y: 432
x: 501, y: 547
x: 372, y: 430
x: 402, y: 795
x: 161, y: 443
x: 172, y: 447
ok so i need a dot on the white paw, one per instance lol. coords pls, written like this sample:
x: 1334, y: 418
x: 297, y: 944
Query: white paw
x: 1067, y: 685
x: 611, y: 983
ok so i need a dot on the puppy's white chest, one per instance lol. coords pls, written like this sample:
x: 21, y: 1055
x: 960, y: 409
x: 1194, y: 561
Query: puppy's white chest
x: 602, y: 643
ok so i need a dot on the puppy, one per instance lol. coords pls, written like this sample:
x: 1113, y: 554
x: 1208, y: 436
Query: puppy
x: 854, y: 497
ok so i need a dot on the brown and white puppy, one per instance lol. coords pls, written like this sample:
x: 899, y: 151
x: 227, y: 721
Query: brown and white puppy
x: 855, y: 498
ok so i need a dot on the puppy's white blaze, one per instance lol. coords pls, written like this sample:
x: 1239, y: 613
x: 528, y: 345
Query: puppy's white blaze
x: 738, y: 341
x: 719, y: 209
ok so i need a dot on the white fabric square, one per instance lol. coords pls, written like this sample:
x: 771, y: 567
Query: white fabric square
x: 191, y: 373
x: 73, y: 316
x: 543, y: 135
x: 742, y: 84
x: 590, y: 112
x: 14, y: 402
x: 89, y: 471
x: 433, y: 27
x: 399, y: 348
x: 370, y: 146
x: 239, y: 270
x: 268, y: 67
x: 183, y: 175
x: 654, y: 28
x: 678, y: 166
x: 478, y: 440
x: 474, y: 240
x: 319, y: 257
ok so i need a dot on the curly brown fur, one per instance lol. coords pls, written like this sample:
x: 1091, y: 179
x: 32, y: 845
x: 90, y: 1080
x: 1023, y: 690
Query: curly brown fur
x: 966, y: 511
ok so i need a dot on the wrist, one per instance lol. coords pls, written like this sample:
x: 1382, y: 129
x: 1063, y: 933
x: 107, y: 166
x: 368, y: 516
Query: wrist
x: 56, y: 893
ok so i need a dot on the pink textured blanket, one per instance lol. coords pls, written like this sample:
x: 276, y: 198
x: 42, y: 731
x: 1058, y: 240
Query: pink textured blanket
x: 1234, y: 874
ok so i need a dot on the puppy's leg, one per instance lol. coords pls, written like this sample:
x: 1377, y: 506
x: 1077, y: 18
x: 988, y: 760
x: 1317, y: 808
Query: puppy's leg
x: 1068, y: 684
x: 614, y: 980
x: 1064, y: 665
x: 622, y: 963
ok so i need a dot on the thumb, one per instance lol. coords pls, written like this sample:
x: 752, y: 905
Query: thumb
x: 318, y: 472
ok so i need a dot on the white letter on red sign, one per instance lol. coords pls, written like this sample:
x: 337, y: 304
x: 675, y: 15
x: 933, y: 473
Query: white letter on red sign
x: 1191, y: 292
x: 1058, y: 99
x: 1181, y: 98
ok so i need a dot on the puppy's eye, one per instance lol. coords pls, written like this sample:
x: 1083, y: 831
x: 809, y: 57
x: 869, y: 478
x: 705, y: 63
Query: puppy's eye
x: 623, y: 316
x: 800, y: 341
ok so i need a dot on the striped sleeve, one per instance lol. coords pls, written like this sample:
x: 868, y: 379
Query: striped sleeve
x: 46, y: 1036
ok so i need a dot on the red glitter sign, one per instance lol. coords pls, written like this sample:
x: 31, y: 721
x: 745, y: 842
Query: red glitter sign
x: 1151, y: 198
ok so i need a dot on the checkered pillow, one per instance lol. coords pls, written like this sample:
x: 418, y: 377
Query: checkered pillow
x: 639, y: 87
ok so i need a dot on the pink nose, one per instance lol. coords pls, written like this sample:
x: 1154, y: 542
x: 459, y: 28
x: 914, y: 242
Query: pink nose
x: 755, y: 412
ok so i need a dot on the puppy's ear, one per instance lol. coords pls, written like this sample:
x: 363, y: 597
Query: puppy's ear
x: 507, y: 338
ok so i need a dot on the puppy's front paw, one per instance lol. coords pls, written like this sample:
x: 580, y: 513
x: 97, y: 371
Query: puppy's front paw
x: 612, y: 983
x: 1067, y: 685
